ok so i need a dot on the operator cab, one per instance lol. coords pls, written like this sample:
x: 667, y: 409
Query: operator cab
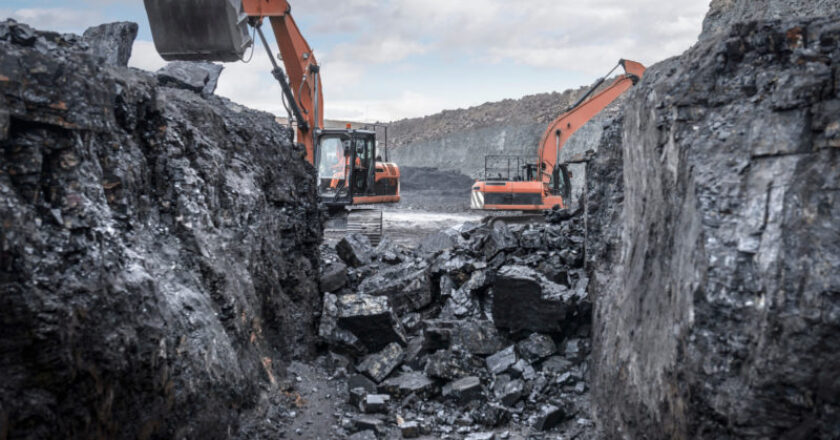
x: 346, y: 164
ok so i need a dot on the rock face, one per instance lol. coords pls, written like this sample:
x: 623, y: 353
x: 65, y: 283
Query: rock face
x: 158, y: 250
x: 717, y: 310
x: 724, y: 13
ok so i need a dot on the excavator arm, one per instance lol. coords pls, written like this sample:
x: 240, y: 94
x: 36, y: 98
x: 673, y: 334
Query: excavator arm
x: 217, y: 30
x: 562, y: 128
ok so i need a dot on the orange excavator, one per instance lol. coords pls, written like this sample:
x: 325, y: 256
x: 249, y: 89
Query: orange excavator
x: 516, y: 185
x: 350, y: 172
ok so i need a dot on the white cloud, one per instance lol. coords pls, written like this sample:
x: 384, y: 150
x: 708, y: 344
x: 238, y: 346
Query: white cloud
x: 145, y: 56
x: 539, y: 33
x: 55, y: 19
x: 407, y: 104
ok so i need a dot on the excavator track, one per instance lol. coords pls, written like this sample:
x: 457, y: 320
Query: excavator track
x: 367, y: 222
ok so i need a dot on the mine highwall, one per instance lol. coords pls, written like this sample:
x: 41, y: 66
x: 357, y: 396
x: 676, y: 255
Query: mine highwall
x: 717, y: 311
x: 159, y: 248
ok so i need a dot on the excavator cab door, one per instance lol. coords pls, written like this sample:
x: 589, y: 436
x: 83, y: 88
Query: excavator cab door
x: 560, y: 183
x: 335, y: 156
x: 365, y: 163
x: 199, y: 30
x: 345, y: 160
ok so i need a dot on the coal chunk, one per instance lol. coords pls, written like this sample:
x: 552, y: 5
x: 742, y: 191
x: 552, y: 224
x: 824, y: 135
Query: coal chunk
x: 499, y: 239
x: 333, y: 277
x: 549, y: 417
x: 361, y: 381
x: 536, y: 347
x: 379, y: 365
x: 408, y: 383
x: 478, y: 337
x: 410, y: 429
x: 525, y: 300
x: 446, y: 364
x: 407, y: 285
x: 112, y: 41
x: 200, y: 77
x: 360, y: 322
x: 355, y: 250
x: 502, y: 361
x: 509, y: 392
x: 369, y: 423
x: 463, y: 390
x: 374, y: 403
x: 481, y: 436
x: 363, y: 435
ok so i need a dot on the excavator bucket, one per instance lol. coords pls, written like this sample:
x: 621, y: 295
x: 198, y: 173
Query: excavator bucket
x: 199, y: 30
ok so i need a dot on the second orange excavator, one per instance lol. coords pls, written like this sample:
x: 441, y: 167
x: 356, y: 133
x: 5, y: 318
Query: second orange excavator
x: 522, y: 186
x: 350, y: 171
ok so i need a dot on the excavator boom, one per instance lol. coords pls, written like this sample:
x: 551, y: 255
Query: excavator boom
x: 562, y: 128
x: 349, y: 171
x: 217, y: 30
x: 550, y: 185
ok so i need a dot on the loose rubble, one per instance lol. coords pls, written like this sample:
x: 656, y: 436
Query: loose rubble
x: 479, y: 328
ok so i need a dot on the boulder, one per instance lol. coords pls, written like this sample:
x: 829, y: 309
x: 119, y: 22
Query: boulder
x: 200, y: 77
x: 510, y: 391
x: 407, y: 285
x: 374, y: 403
x: 498, y: 240
x: 440, y: 240
x: 523, y: 299
x: 410, y: 429
x: 112, y: 42
x: 355, y: 250
x: 360, y: 322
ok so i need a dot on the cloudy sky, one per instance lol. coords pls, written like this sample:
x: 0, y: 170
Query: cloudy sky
x: 389, y: 59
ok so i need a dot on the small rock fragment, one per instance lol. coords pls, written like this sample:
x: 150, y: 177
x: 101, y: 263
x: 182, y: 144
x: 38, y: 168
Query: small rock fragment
x: 463, y: 390
x: 501, y: 361
x: 536, y: 347
x: 374, y: 403
x: 379, y: 365
x: 549, y: 417
x: 410, y: 429
x: 355, y: 250
x: 408, y: 383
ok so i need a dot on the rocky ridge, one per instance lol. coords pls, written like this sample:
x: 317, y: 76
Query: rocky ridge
x: 159, y: 264
x: 716, y: 305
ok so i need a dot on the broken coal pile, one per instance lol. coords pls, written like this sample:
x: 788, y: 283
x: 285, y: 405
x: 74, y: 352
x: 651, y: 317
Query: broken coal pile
x: 159, y: 248
x: 491, y: 333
